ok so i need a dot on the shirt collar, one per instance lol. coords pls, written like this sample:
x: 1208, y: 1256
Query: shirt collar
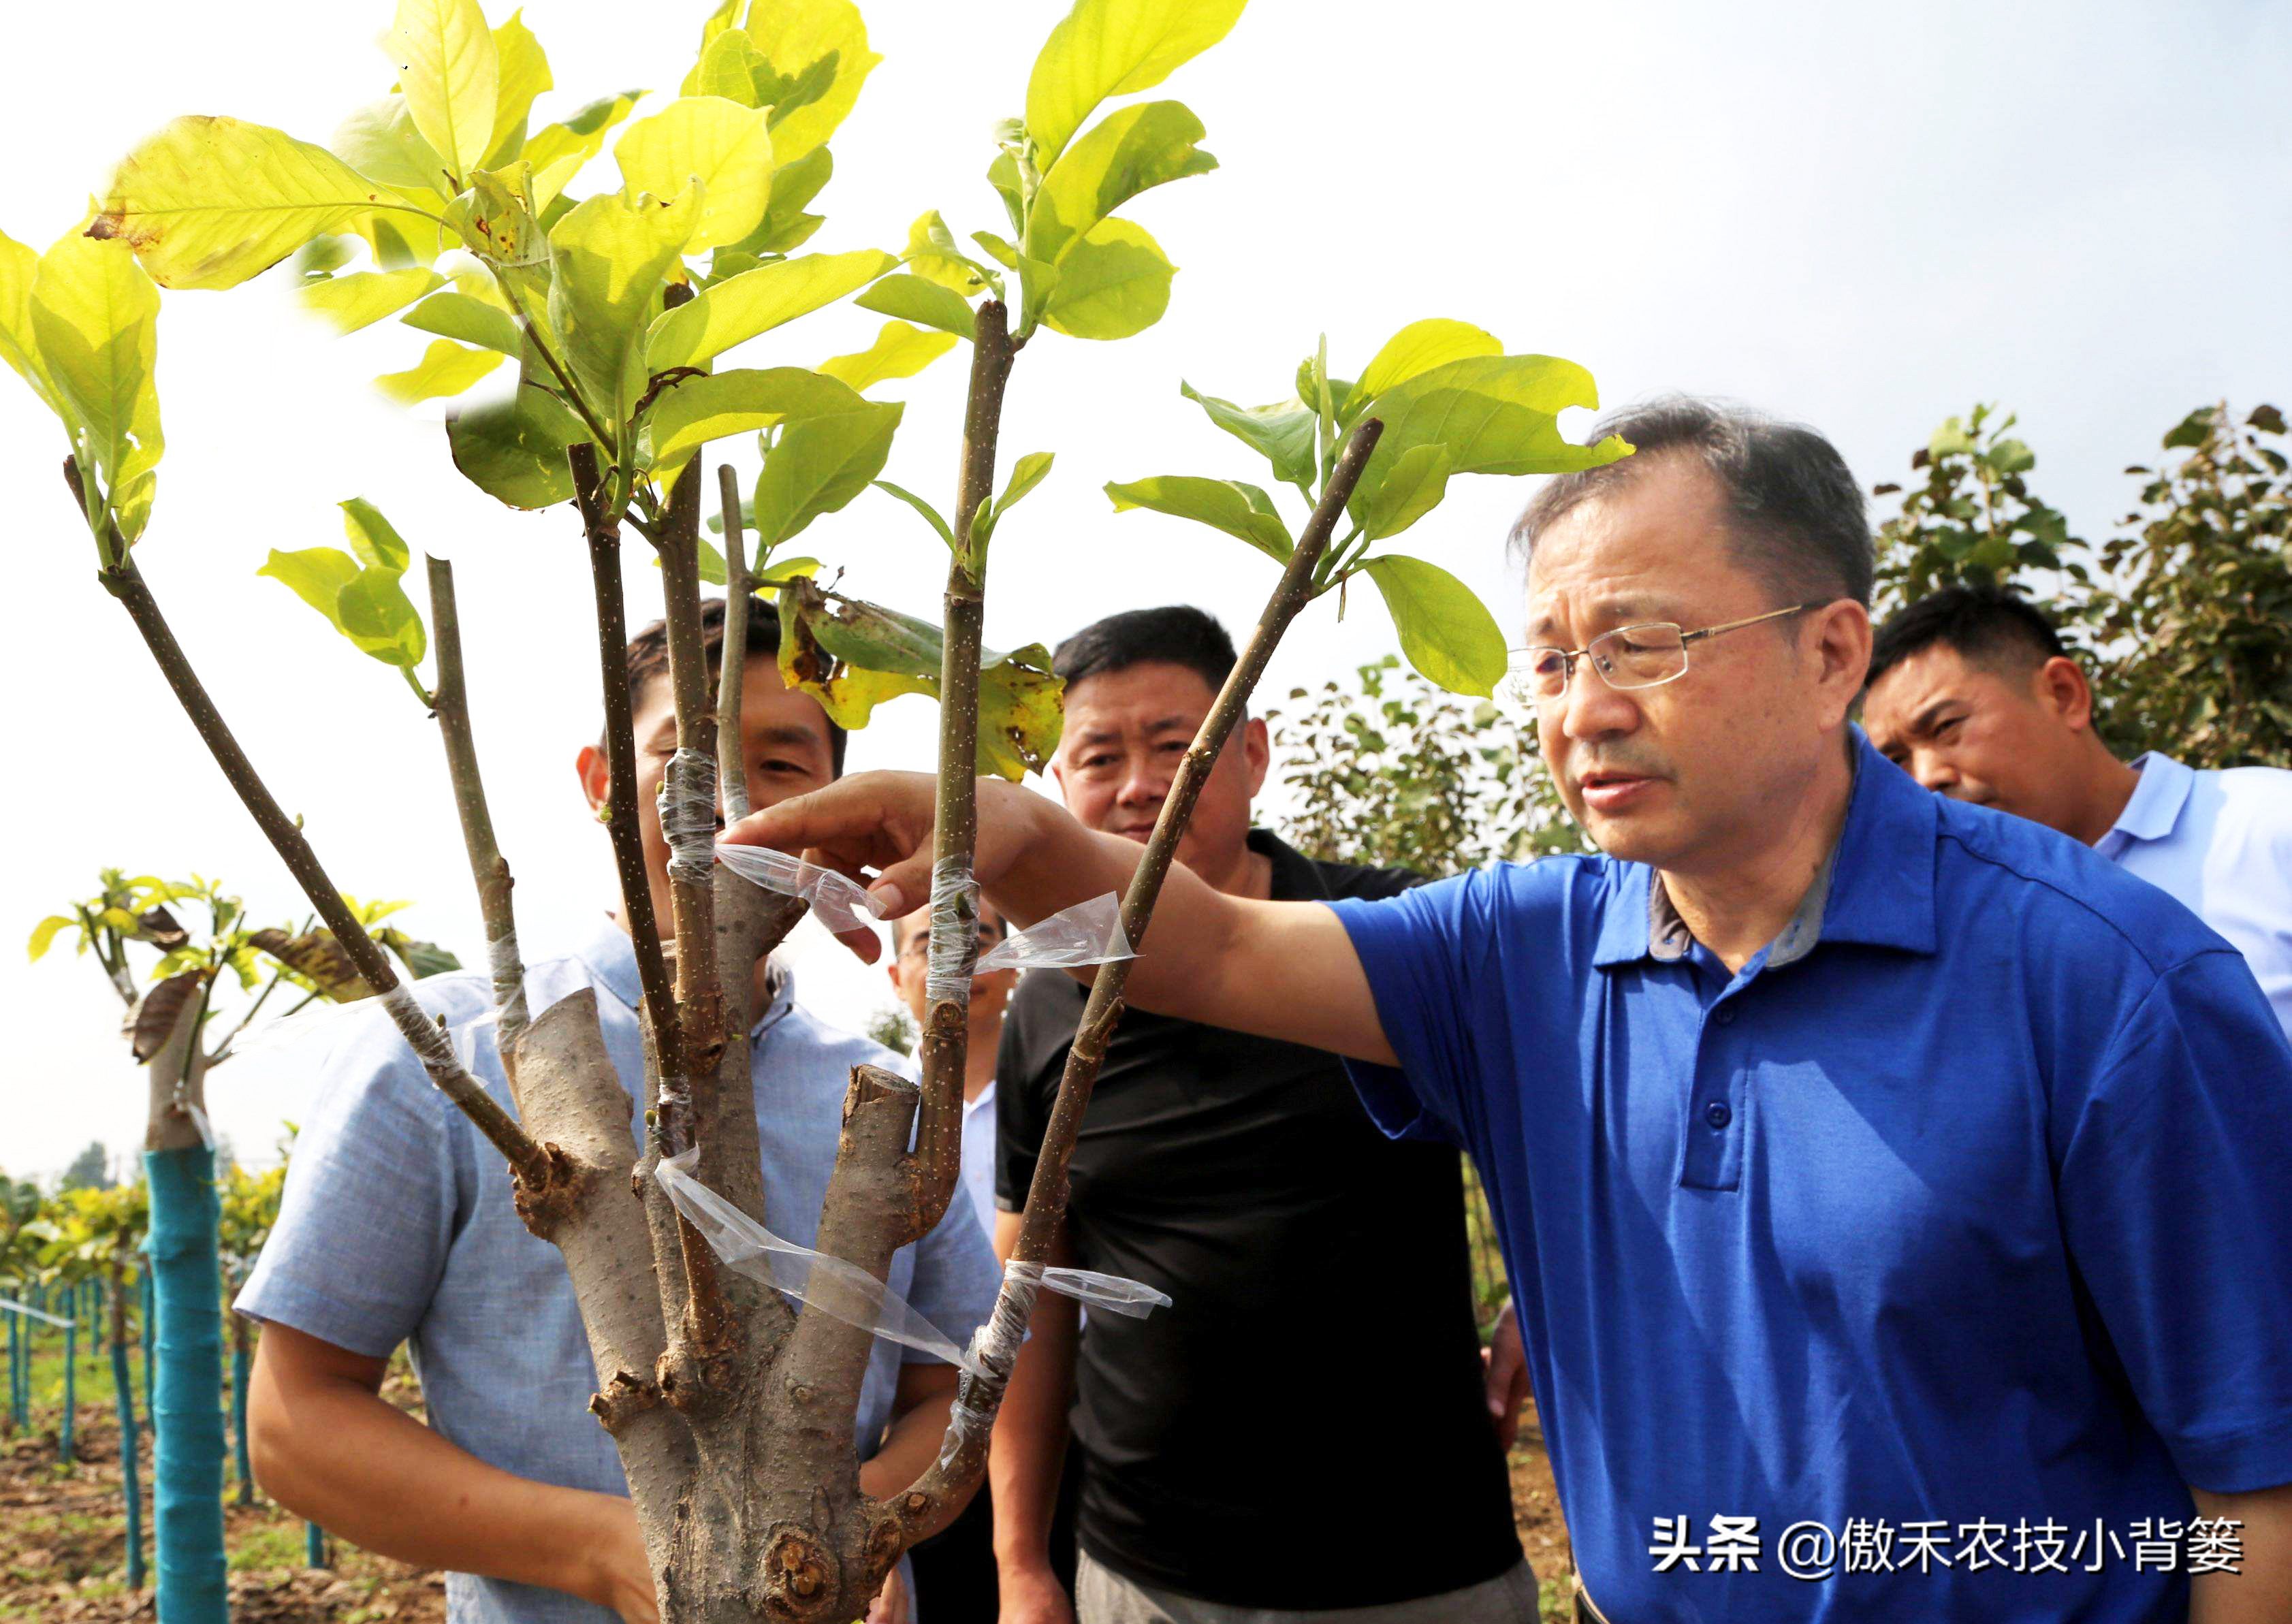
x: 1875, y: 887
x: 612, y: 959
x: 2157, y: 799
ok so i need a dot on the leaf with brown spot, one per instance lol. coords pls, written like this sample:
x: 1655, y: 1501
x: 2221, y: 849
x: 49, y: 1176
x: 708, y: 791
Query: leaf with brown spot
x: 152, y: 1021
x: 161, y: 930
x: 317, y: 961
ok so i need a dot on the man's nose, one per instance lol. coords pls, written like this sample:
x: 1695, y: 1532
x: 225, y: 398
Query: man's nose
x: 1590, y: 709
x: 1935, y: 770
x: 1142, y: 785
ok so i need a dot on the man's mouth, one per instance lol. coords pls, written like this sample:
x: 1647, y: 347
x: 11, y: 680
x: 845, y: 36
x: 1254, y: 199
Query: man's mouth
x: 1139, y: 832
x: 1610, y: 791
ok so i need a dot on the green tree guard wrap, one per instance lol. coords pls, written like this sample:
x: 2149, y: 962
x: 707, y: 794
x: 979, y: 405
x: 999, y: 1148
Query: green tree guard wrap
x: 150, y: 1328
x: 314, y: 1546
x: 241, y: 1368
x: 130, y: 1489
x: 187, y: 1420
x: 71, y: 1393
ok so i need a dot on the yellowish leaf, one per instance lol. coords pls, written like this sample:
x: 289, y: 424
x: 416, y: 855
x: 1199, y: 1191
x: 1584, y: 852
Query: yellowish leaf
x: 724, y: 146
x: 1418, y: 348
x: 798, y: 38
x: 446, y: 368
x: 349, y: 303
x: 96, y: 317
x: 899, y: 352
x: 451, y: 73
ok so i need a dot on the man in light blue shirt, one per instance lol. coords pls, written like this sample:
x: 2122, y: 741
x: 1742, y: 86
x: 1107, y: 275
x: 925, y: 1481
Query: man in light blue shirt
x: 1971, y: 693
x: 398, y: 1226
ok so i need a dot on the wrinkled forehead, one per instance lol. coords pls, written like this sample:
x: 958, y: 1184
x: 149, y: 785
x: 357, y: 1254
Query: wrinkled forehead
x: 1654, y: 547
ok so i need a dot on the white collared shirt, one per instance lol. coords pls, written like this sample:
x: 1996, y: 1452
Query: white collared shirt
x: 2220, y: 843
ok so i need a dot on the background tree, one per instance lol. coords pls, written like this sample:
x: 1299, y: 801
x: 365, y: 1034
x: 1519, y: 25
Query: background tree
x: 90, y: 1170
x: 2179, y: 618
x: 733, y: 1413
x: 166, y: 1025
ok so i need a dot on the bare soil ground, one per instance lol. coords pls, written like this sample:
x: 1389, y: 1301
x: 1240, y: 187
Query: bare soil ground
x: 63, y: 1536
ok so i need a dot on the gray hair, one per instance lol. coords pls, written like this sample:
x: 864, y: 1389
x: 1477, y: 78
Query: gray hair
x: 1795, y: 513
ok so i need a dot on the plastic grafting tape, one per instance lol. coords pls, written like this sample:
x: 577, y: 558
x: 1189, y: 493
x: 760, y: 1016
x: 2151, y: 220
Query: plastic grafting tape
x: 954, y: 931
x: 688, y: 813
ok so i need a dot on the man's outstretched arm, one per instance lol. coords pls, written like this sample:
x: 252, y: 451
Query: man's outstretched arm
x: 327, y: 1446
x: 1281, y: 970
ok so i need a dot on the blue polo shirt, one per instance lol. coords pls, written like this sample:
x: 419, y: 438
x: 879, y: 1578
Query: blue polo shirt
x: 1963, y: 1205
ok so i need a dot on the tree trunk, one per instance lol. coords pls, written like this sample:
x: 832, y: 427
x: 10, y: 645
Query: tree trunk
x: 187, y: 1289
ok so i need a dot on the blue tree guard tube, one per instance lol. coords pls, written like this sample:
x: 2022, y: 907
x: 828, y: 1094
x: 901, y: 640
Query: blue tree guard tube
x: 150, y: 1328
x: 71, y: 1391
x: 187, y: 1420
x: 130, y: 1488
x: 314, y: 1546
x: 241, y: 1366
x: 16, y: 1416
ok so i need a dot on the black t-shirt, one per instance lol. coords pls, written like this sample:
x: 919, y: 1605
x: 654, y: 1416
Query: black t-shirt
x: 1304, y: 1427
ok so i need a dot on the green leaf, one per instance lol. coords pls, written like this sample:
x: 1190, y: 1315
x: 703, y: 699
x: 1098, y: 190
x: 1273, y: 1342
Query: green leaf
x: 929, y: 513
x: 819, y: 51
x: 609, y: 256
x: 729, y: 66
x: 1282, y: 433
x: 932, y: 255
x: 523, y: 75
x: 420, y: 958
x: 1239, y: 510
x: 1113, y: 48
x: 374, y: 613
x: 380, y: 142
x: 473, y: 321
x: 724, y: 146
x: 209, y: 202
x: 736, y: 309
x: 1113, y: 283
x: 496, y: 218
x: 912, y: 299
x: 783, y: 570
x: 446, y: 368
x: 20, y: 265
x: 43, y: 934
x: 1029, y: 472
x: 694, y: 411
x: 514, y: 450
x: 582, y: 136
x: 1411, y: 489
x: 1418, y: 348
x: 1447, y: 632
x: 96, y: 317
x: 2192, y: 430
x: 373, y: 539
x: 349, y: 303
x: 1494, y: 414
x: 851, y: 657
x: 1129, y: 150
x: 787, y: 227
x: 451, y: 73
x: 818, y: 464
x: 316, y: 575
x: 899, y: 352
x: 1005, y: 254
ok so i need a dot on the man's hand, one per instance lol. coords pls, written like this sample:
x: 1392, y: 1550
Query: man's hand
x: 1505, y: 1363
x: 1033, y: 1595
x: 891, y: 1603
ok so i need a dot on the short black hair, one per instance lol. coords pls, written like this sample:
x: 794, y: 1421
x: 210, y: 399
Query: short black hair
x: 1177, y: 634
x: 1796, y: 512
x: 1988, y: 624
x: 648, y: 656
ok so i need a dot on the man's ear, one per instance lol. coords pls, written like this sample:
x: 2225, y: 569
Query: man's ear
x: 1256, y: 753
x: 1842, y: 653
x: 596, y: 781
x: 2063, y: 688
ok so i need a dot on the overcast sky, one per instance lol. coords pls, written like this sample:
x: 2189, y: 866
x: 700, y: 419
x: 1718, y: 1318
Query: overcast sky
x: 1864, y: 217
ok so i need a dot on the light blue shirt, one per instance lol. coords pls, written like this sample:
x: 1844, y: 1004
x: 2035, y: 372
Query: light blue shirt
x: 2220, y: 844
x: 978, y: 1155
x: 397, y: 1226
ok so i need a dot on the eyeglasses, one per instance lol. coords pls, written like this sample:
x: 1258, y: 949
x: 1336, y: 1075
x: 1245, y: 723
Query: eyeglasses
x: 1644, y: 656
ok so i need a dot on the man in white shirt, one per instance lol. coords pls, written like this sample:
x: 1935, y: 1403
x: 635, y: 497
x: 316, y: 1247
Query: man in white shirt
x: 1971, y: 692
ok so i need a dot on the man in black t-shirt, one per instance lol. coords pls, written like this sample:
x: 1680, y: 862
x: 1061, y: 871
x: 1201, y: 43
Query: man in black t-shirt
x: 1305, y: 1428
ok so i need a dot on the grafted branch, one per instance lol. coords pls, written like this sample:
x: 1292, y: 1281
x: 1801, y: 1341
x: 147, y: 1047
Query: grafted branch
x: 732, y: 664
x: 450, y: 705
x: 124, y: 581
x: 939, y: 1493
x: 954, y: 923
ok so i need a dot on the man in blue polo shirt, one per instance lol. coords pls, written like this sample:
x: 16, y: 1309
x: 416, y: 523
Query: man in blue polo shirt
x: 1894, y: 1192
